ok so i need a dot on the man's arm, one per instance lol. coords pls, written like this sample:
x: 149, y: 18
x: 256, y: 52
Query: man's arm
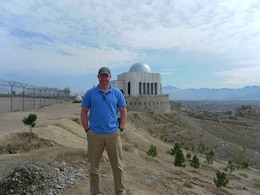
x: 84, y: 118
x: 123, y: 116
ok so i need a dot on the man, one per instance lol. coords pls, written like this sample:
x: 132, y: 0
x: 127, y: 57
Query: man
x: 103, y: 129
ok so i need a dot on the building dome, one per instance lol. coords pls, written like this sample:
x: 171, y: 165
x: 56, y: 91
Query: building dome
x: 140, y: 67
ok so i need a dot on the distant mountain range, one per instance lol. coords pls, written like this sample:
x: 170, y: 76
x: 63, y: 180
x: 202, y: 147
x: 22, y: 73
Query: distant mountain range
x: 246, y: 93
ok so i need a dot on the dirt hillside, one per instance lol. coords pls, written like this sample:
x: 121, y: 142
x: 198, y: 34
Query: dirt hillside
x: 59, y: 138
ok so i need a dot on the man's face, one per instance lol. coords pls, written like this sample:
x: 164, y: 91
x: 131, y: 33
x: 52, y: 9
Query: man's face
x: 104, y: 79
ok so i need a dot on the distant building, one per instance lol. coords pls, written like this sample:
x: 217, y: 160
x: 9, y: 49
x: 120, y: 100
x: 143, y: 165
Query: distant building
x: 246, y: 111
x: 142, y: 89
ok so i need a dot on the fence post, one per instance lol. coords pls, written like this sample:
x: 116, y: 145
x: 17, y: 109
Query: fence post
x: 33, y: 97
x: 23, y: 94
x: 11, y: 83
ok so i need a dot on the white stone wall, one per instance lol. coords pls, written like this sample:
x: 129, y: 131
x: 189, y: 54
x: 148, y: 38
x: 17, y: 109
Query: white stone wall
x: 119, y: 84
x: 134, y: 78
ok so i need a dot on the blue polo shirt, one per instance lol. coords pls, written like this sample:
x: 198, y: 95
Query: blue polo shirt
x: 103, y: 109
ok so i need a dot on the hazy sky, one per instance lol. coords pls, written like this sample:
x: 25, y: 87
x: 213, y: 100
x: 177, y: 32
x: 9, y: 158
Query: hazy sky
x: 192, y: 43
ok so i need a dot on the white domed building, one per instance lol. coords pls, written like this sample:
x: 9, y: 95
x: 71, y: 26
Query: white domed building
x: 142, y: 89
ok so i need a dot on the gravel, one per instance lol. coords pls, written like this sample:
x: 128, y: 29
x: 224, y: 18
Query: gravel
x: 40, y: 178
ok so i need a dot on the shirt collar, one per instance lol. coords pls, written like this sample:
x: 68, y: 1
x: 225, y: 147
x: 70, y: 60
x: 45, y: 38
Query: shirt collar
x: 110, y: 89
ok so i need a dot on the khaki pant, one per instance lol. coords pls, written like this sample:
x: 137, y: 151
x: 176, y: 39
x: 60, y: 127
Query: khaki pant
x: 96, y: 145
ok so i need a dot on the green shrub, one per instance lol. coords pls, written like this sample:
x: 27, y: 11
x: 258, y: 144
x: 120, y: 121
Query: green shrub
x: 210, y: 156
x: 152, y: 151
x: 221, y: 179
x: 257, y: 183
x: 202, y: 147
x: 2, y: 149
x: 231, y: 166
x: 179, y: 159
x: 30, y: 120
x: 175, y: 149
x: 125, y: 148
x: 245, y: 164
x: 195, y: 162
x: 76, y: 120
x: 240, y: 158
x: 188, y: 155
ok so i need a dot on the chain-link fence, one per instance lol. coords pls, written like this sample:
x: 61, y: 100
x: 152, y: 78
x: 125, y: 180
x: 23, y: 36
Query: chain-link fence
x: 16, y: 96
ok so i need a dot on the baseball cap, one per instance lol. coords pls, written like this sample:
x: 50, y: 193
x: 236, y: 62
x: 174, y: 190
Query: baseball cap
x: 104, y: 70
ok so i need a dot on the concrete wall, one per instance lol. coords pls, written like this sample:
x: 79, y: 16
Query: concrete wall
x: 157, y: 104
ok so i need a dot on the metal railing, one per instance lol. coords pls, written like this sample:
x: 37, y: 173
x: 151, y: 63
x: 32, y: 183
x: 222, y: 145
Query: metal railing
x: 17, y: 96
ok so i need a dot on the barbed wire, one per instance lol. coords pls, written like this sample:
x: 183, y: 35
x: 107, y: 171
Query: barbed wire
x: 23, y: 85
